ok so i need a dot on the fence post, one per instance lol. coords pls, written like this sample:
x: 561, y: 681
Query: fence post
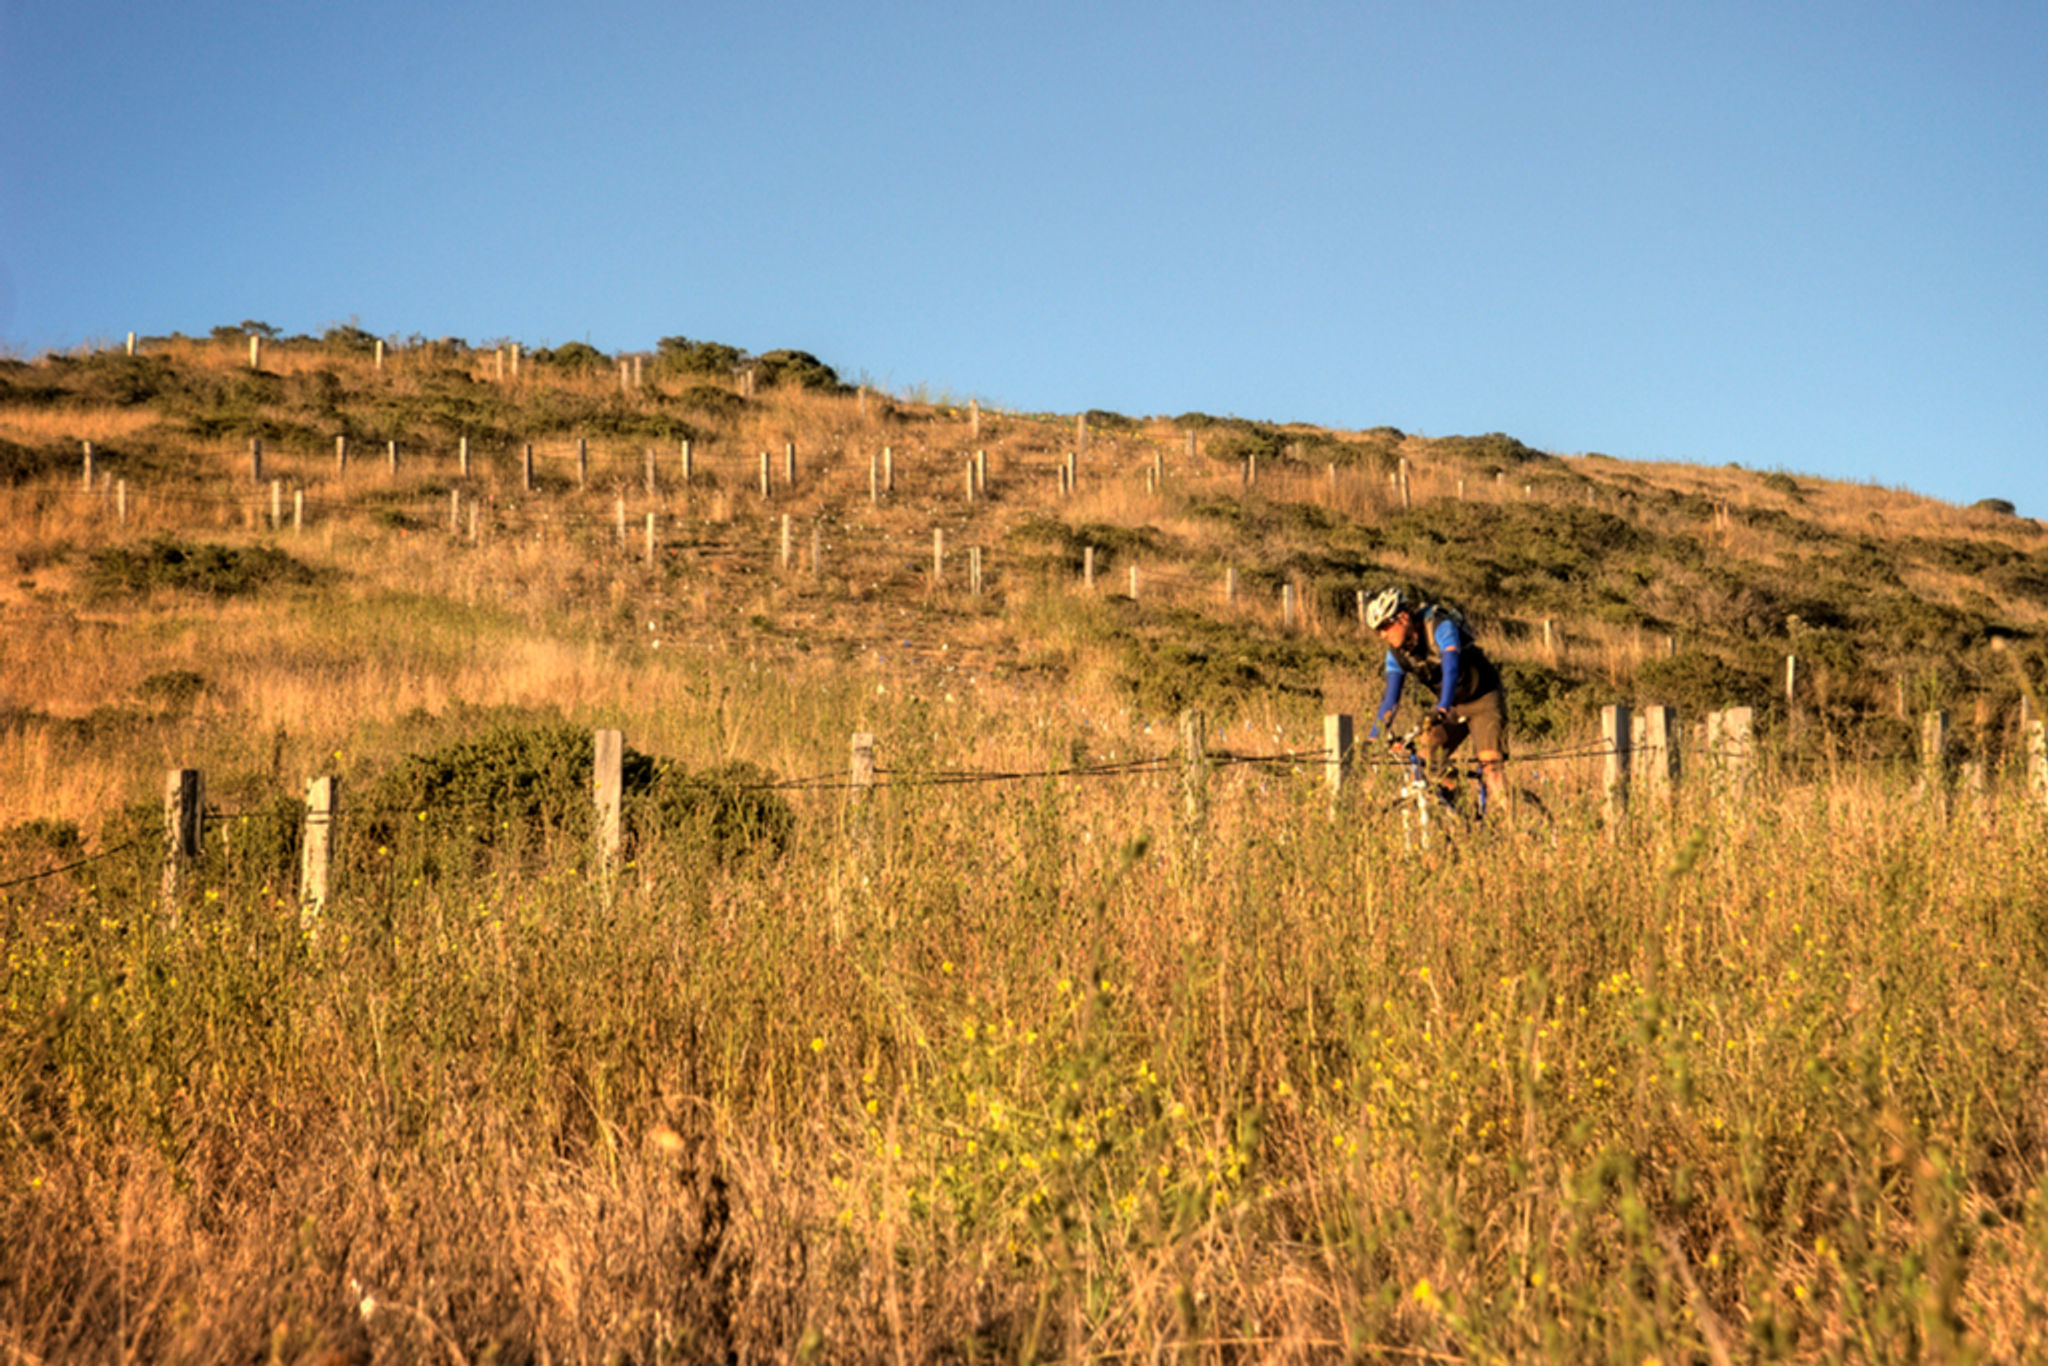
x: 1615, y: 736
x: 1134, y: 583
x: 981, y: 473
x: 765, y: 486
x: 184, y: 829
x: 861, y: 769
x: 1656, y: 752
x: 650, y: 540
x: 619, y: 517
x: 1088, y: 566
x: 653, y: 484
x: 1194, y: 773
x: 255, y: 459
x: 888, y: 470
x: 88, y: 466
x: 817, y: 550
x: 1337, y: 747
x: 526, y: 467
x: 454, y: 512
x: 689, y: 463
x: 938, y: 555
x: 316, y: 852
x: 1934, y: 752
x: 462, y: 456
x: 974, y: 570
x: 1792, y: 693
x: 121, y: 501
x: 785, y: 541
x: 970, y: 479
x: 1731, y: 739
x: 391, y: 455
x: 276, y: 504
x: 1230, y: 585
x: 255, y: 351
x: 607, y: 788
x: 789, y: 463
x: 341, y: 455
x: 973, y: 419
x: 874, y: 479
x: 1287, y: 605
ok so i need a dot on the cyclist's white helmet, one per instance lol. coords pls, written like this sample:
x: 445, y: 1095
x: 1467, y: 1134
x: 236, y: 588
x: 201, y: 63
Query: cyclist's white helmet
x: 1384, y: 607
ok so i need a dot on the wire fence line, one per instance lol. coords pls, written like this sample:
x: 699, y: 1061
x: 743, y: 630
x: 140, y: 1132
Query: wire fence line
x: 883, y: 779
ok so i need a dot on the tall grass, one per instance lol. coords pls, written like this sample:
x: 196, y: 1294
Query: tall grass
x: 1031, y: 1070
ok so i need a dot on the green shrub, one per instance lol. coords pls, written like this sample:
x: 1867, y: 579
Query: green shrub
x: 349, y: 339
x: 575, y: 357
x: 520, y: 784
x: 799, y: 368
x: 681, y: 356
x: 1697, y: 681
x: 218, y: 570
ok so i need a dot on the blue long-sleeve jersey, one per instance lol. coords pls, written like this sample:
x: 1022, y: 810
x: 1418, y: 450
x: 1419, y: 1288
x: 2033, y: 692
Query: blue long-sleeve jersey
x: 1449, y: 640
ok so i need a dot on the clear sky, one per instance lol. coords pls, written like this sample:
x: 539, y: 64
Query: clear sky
x: 1802, y: 236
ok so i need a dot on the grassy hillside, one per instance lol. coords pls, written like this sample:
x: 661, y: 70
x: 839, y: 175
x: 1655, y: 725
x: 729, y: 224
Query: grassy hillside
x: 1018, y: 1058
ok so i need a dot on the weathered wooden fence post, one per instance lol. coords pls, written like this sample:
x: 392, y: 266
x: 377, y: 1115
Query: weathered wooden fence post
x: 276, y: 504
x: 1934, y: 754
x: 607, y: 786
x: 341, y: 455
x: 184, y: 831
x: 689, y: 464
x: 121, y: 501
x: 973, y: 419
x: 255, y: 459
x: 1194, y: 772
x: 391, y: 456
x: 255, y: 351
x: 526, y: 467
x: 1337, y: 750
x: 316, y: 852
x: 1655, y: 754
x: 1230, y: 585
x: 938, y: 555
x: 981, y: 473
x: 619, y: 518
x: 88, y: 467
x: 653, y: 482
x: 784, y: 557
x: 1287, y: 605
x: 889, y: 470
x: 1731, y: 741
x: 861, y: 769
x: 765, y: 486
x: 650, y: 540
x: 789, y: 463
x: 974, y: 570
x: 1615, y: 738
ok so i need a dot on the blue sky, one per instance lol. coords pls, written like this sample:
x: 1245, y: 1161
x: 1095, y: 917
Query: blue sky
x: 1800, y: 236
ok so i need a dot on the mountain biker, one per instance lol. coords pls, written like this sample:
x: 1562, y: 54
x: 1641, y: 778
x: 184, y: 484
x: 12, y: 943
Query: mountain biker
x: 1431, y: 644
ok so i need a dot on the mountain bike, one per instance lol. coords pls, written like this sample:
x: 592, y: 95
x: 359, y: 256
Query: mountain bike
x: 1441, y: 811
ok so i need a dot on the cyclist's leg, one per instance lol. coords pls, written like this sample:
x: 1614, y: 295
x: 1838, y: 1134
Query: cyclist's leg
x: 1486, y: 717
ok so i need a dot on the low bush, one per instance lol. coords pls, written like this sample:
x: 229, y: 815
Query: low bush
x: 216, y: 570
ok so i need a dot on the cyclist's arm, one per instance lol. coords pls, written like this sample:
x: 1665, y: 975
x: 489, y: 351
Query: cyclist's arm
x: 1447, y: 642
x: 1396, y: 677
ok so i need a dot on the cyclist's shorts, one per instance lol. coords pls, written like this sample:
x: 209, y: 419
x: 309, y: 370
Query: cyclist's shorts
x: 1486, y: 722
